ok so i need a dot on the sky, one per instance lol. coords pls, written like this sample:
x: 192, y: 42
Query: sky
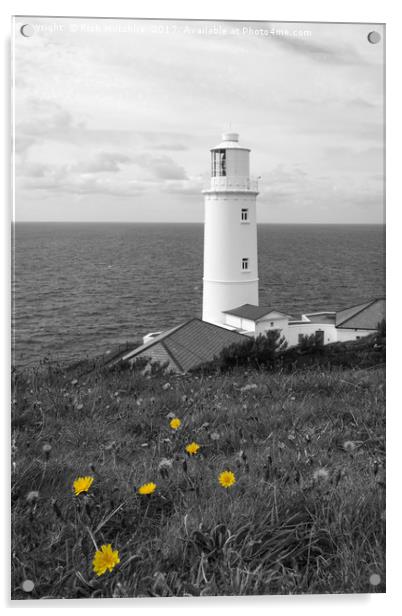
x: 114, y: 119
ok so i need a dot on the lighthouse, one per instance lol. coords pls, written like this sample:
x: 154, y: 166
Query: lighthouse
x: 230, y: 232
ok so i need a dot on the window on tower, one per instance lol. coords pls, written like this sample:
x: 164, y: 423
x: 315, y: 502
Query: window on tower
x: 244, y: 215
x: 218, y: 162
x: 244, y: 263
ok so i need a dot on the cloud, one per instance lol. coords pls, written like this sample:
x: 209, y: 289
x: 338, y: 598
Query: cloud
x: 49, y: 121
x: 343, y: 54
x: 165, y: 168
x: 135, y: 115
x: 161, y: 167
x: 190, y: 187
x: 62, y: 182
x: 104, y: 161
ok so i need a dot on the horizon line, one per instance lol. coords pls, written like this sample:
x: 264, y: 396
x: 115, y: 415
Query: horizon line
x: 177, y: 222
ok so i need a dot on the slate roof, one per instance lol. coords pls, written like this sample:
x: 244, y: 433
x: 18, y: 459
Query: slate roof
x: 362, y: 316
x: 188, y: 345
x: 254, y: 313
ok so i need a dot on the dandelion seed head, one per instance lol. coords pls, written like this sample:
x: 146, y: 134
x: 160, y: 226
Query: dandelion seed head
x: 47, y: 448
x: 165, y: 463
x: 28, y: 585
x: 375, y: 579
x: 32, y: 496
x: 105, y: 559
x: 349, y: 446
x: 215, y: 436
x: 321, y: 474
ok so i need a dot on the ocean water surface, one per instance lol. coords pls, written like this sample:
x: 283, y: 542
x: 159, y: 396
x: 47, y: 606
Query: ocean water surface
x: 81, y: 289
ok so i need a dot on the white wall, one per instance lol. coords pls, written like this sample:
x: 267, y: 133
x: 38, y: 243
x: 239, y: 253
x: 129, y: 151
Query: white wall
x: 226, y: 241
x: 278, y: 322
x: 307, y: 329
x: 353, y: 334
x: 239, y: 323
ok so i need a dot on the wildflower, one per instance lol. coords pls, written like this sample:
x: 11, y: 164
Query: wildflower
x: 47, y: 448
x: 248, y: 387
x: 321, y: 474
x: 375, y: 579
x: 215, y: 436
x: 147, y: 488
x: 32, y: 496
x: 105, y: 559
x: 227, y: 479
x: 175, y: 423
x: 28, y: 585
x: 164, y: 467
x: 82, y: 484
x: 165, y: 463
x: 166, y: 386
x: 349, y: 446
x: 192, y: 448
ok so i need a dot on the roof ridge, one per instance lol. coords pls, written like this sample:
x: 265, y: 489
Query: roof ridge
x: 174, y: 360
x: 158, y: 339
x: 365, y: 306
x: 191, y: 349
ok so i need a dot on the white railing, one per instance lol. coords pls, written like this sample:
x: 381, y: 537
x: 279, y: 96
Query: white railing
x: 232, y: 183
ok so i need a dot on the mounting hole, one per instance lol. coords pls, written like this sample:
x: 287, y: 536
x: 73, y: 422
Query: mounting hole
x: 374, y: 37
x: 27, y: 30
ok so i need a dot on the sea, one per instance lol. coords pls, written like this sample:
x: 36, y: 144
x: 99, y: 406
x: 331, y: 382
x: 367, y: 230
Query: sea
x: 85, y: 289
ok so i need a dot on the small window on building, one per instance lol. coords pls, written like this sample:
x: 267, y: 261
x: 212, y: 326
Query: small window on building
x: 218, y: 163
x: 244, y: 215
x: 300, y: 338
x: 272, y: 323
x: 244, y: 263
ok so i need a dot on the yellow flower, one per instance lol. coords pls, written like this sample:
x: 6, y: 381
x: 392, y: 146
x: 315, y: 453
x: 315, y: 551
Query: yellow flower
x: 147, y: 488
x: 192, y: 448
x: 175, y: 423
x: 227, y: 479
x: 82, y: 484
x: 105, y: 559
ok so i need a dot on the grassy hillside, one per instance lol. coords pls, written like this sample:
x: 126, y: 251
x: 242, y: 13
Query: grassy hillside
x: 306, y: 514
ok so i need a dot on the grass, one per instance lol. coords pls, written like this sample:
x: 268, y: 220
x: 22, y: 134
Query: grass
x: 306, y: 514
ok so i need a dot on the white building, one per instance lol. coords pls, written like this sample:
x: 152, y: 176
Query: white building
x: 230, y: 232
x: 230, y: 291
x: 230, y: 284
x: 347, y: 324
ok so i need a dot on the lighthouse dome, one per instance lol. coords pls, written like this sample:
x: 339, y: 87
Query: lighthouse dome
x: 229, y: 141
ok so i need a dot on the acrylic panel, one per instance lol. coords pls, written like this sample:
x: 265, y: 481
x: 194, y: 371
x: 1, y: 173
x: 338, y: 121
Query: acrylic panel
x: 198, y: 320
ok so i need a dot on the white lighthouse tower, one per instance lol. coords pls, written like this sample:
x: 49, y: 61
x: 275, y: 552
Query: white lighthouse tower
x: 230, y: 232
